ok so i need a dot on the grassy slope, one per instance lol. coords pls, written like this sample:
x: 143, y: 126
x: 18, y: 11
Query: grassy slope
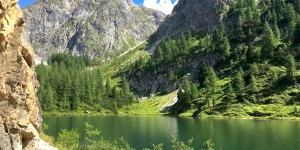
x: 149, y: 106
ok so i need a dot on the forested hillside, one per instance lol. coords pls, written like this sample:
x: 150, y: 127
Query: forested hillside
x: 70, y: 83
x: 248, y: 66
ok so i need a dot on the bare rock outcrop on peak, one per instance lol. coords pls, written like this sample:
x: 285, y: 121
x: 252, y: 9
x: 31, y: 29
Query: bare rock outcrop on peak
x: 88, y: 27
x: 193, y: 15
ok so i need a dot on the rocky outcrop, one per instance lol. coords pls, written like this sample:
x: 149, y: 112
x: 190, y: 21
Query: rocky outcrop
x: 193, y: 15
x: 20, y: 120
x: 88, y: 27
x: 154, y: 80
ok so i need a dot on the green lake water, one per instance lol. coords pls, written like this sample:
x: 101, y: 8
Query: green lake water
x: 226, y: 134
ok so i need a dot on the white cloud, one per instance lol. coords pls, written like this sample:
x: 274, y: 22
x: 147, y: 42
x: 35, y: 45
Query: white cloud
x: 165, y: 6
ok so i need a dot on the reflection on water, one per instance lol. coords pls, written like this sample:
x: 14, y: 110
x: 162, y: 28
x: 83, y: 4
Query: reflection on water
x: 143, y: 131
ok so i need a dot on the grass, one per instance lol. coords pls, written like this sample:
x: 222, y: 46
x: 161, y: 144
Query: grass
x: 150, y: 106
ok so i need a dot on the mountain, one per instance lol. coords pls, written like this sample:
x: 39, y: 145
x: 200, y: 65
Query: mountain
x: 228, y: 58
x: 210, y: 58
x: 88, y: 27
x: 195, y: 16
x: 20, y: 114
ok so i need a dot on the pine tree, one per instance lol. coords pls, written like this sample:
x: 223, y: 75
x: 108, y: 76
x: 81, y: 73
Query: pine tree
x: 270, y: 41
x: 167, y: 53
x: 253, y: 85
x: 183, y: 44
x: 252, y: 4
x: 274, y: 16
x: 239, y: 82
x: 276, y: 31
x: 108, y: 87
x: 249, y: 13
x: 269, y: 16
x: 48, y: 98
x: 158, y: 54
x: 210, y: 83
x: 195, y: 92
x: 229, y: 95
x: 290, y: 68
x: 263, y: 7
x: 115, y: 93
x: 296, y: 38
x: 226, y: 48
x: 254, y: 69
x: 189, y: 39
x: 240, y: 4
x: 125, y: 86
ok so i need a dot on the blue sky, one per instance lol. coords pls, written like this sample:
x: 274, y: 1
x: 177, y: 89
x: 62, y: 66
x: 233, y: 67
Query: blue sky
x: 165, y: 6
x: 24, y: 3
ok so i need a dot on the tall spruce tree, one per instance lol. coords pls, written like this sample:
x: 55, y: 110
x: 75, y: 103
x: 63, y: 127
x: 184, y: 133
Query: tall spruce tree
x: 290, y: 68
x: 210, y: 83
x: 270, y: 41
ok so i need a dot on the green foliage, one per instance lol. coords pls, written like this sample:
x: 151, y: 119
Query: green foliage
x: 291, y: 68
x: 210, y: 83
x: 179, y: 145
x: 209, y: 144
x: 69, y: 83
x: 68, y: 139
x: 94, y: 141
x: 230, y: 95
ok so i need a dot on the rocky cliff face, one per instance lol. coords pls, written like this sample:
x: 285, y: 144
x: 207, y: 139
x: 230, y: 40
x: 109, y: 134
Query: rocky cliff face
x: 20, y: 120
x: 88, y: 27
x: 151, y: 81
x: 193, y: 15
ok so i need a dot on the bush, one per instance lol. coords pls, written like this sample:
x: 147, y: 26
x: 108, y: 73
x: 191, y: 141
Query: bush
x: 68, y: 139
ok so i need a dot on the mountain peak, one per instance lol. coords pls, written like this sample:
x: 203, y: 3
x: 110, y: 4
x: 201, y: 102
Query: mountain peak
x: 92, y: 27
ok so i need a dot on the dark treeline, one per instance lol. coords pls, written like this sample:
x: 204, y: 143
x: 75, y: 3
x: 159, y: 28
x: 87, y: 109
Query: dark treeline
x: 70, y: 83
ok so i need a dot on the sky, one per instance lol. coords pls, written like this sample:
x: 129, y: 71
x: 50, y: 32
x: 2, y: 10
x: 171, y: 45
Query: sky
x: 165, y: 6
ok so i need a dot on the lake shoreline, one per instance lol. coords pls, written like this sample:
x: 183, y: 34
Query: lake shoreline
x: 93, y: 114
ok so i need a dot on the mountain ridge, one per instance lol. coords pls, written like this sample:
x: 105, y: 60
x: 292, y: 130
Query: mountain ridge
x: 94, y: 28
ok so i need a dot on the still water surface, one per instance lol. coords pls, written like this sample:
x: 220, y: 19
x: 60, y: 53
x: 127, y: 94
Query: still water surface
x: 226, y: 134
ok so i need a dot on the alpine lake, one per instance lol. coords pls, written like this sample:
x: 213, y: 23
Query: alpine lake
x: 226, y: 134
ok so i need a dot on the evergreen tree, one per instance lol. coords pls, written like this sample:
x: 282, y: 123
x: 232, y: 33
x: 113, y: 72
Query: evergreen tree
x: 210, y: 83
x: 48, y: 98
x: 252, y: 4
x: 125, y: 86
x: 270, y: 41
x: 269, y: 16
x: 226, y: 48
x: 254, y: 69
x: 158, y: 54
x: 115, y: 93
x: 276, y: 31
x: 183, y: 44
x: 240, y: 4
x: 229, y: 95
x: 249, y: 13
x: 296, y: 38
x: 189, y: 39
x: 290, y: 68
x: 239, y: 82
x: 253, y: 85
x: 195, y: 92
x: 108, y: 87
